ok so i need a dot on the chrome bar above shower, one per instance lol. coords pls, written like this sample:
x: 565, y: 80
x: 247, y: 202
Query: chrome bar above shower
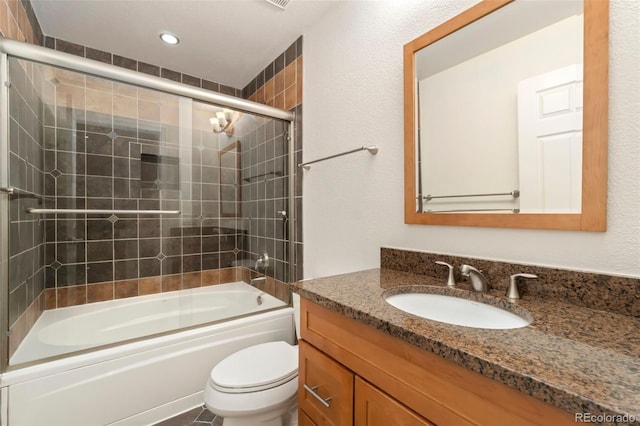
x: 71, y: 62
x: 373, y: 150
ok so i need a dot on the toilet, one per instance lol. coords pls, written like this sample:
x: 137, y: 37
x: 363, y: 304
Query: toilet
x: 256, y: 386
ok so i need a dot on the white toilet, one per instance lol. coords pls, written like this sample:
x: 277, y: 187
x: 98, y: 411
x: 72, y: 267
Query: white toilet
x: 256, y: 386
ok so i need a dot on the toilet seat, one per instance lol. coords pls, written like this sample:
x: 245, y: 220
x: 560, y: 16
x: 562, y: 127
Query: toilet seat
x: 242, y: 372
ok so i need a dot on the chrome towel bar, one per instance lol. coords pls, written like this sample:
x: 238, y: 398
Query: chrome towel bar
x: 373, y: 150
x: 515, y: 194
x: 99, y: 211
x: 472, y: 210
x: 264, y: 176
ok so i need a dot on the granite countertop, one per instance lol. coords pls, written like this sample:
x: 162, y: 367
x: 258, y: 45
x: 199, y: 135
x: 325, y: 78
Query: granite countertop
x: 581, y: 360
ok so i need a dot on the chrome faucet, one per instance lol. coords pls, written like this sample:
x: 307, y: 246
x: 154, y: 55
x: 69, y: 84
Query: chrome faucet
x: 479, y: 282
x: 451, y: 281
x: 263, y: 261
x: 512, y: 291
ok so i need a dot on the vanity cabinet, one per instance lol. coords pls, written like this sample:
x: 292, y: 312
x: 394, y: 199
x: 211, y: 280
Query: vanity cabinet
x: 367, y: 377
x: 326, y: 388
x: 335, y: 396
x: 372, y: 407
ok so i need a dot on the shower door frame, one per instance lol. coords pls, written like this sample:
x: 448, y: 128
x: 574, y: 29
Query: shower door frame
x: 46, y: 56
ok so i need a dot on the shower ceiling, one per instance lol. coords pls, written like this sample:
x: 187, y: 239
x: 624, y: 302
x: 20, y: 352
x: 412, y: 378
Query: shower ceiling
x: 226, y: 41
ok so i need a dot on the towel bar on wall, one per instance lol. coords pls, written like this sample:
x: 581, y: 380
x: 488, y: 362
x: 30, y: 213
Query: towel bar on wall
x: 373, y: 150
x: 515, y: 194
x: 472, y: 210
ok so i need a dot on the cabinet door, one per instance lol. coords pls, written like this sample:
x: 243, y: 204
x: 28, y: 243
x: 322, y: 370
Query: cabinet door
x: 325, y: 393
x: 375, y: 408
x: 304, y: 420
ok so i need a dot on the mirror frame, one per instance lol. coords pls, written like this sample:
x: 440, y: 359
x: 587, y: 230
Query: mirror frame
x: 594, y: 137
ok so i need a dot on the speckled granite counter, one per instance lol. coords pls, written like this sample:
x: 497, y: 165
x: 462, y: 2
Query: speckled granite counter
x: 579, y: 359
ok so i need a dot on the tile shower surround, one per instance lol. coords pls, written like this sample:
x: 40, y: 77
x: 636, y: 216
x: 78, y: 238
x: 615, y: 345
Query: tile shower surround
x: 18, y: 21
x: 26, y: 232
x: 279, y: 85
x: 21, y: 24
x: 82, y: 294
x: 97, y: 164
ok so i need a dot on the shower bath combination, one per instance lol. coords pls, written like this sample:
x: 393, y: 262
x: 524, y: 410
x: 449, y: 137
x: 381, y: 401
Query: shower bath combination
x: 113, y: 186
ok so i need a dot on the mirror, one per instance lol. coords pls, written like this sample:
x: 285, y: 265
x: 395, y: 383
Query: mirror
x: 506, y: 117
x: 230, y: 188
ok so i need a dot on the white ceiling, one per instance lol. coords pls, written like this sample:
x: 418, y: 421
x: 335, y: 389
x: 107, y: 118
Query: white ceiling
x: 225, y: 41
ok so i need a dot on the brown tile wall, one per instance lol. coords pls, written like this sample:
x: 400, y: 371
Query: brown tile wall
x: 19, y: 22
x: 280, y: 83
x: 98, y: 292
x: 90, y: 293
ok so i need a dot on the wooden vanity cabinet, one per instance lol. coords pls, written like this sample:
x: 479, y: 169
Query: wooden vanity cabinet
x: 372, y: 407
x: 327, y: 400
x: 337, y: 397
x: 375, y: 379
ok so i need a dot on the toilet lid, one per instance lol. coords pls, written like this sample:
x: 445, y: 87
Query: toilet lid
x: 256, y: 368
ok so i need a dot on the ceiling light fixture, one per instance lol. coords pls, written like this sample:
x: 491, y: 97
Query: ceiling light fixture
x: 169, y: 38
x: 224, y: 120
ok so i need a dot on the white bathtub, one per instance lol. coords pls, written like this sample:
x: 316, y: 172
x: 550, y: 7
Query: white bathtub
x: 143, y: 381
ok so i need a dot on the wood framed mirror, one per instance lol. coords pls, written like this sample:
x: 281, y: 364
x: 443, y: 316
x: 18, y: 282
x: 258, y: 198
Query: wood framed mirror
x: 477, y: 31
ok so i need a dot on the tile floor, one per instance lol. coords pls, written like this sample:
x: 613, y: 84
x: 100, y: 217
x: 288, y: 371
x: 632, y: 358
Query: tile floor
x: 199, y: 416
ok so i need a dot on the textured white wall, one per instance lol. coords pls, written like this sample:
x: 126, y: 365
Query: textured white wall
x: 353, y: 96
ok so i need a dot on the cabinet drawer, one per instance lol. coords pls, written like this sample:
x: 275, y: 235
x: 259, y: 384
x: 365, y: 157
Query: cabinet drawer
x: 304, y: 420
x: 325, y: 392
x: 375, y: 408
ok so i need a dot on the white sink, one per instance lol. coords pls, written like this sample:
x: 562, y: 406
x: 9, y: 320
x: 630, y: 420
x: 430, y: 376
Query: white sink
x: 456, y: 311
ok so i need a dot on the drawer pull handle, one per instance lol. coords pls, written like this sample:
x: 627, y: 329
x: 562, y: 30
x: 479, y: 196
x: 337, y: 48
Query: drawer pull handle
x: 312, y: 389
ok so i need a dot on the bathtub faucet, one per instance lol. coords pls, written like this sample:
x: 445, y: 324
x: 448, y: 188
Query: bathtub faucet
x: 263, y: 261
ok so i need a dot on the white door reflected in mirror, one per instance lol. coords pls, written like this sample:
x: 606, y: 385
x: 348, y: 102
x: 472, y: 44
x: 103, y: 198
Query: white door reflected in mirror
x: 550, y: 141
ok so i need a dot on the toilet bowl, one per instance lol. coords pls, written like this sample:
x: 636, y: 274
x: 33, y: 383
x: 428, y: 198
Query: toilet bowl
x: 256, y: 386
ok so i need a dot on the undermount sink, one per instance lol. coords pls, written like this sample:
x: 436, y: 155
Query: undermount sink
x: 456, y: 311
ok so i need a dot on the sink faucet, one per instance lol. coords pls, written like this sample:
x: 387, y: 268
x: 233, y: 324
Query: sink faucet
x: 479, y: 282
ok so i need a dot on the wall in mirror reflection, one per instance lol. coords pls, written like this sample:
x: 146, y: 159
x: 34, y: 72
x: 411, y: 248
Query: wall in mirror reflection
x: 507, y: 119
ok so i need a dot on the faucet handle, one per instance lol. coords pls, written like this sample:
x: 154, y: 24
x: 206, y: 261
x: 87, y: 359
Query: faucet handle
x: 512, y: 291
x: 451, y: 281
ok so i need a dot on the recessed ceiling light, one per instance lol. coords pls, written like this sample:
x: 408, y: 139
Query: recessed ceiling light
x: 169, y: 38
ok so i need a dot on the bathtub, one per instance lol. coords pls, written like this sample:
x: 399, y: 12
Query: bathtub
x: 141, y: 380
